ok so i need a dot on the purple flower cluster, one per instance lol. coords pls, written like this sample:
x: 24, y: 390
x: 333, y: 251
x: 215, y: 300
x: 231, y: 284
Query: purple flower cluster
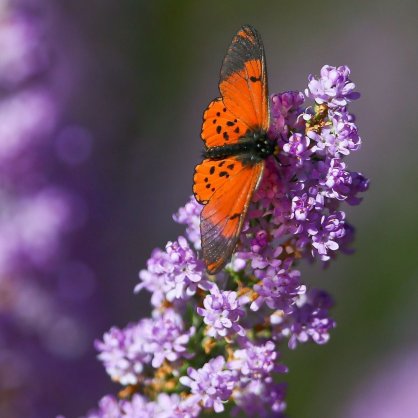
x: 164, y: 406
x: 189, y: 215
x: 257, y: 362
x: 175, y: 273
x: 261, y: 399
x: 237, y: 319
x: 126, y: 352
x: 278, y: 290
x: 309, y: 320
x: 211, y: 385
x: 333, y: 87
x: 221, y: 313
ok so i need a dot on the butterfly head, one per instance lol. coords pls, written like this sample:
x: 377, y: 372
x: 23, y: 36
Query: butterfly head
x: 264, y: 146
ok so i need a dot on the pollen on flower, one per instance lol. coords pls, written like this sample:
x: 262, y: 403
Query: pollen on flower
x: 208, y: 344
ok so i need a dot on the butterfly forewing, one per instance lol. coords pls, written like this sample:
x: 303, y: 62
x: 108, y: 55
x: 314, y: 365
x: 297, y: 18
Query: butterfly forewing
x: 243, y: 82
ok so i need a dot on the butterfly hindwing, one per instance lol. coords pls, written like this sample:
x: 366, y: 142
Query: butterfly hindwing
x: 211, y: 175
x: 224, y: 213
x: 220, y: 126
x: 243, y: 82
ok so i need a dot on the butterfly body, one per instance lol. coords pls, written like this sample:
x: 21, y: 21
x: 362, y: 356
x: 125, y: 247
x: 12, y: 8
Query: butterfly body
x: 252, y: 148
x: 234, y: 132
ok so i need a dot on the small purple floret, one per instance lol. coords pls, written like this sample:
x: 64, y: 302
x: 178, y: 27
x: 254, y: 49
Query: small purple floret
x: 332, y: 87
x: 212, y: 385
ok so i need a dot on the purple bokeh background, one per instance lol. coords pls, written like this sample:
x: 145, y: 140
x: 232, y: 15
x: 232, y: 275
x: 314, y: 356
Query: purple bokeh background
x: 100, y: 112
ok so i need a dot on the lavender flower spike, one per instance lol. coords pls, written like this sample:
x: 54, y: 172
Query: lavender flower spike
x: 214, y: 342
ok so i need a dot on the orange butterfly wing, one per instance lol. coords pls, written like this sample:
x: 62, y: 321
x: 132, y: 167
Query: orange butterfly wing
x: 243, y: 83
x: 220, y: 126
x: 226, y: 186
x: 227, y: 197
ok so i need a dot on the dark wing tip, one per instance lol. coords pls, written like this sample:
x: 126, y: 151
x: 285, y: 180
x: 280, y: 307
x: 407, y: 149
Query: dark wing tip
x: 246, y: 45
x: 248, y: 28
x: 250, y: 31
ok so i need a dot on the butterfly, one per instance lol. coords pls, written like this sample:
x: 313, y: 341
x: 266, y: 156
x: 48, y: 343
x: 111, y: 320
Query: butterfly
x: 234, y: 133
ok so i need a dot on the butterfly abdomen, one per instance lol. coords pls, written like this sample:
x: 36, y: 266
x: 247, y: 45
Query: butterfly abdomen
x: 253, y: 148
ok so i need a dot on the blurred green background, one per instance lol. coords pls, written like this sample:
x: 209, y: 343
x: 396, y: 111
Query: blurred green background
x: 153, y: 68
